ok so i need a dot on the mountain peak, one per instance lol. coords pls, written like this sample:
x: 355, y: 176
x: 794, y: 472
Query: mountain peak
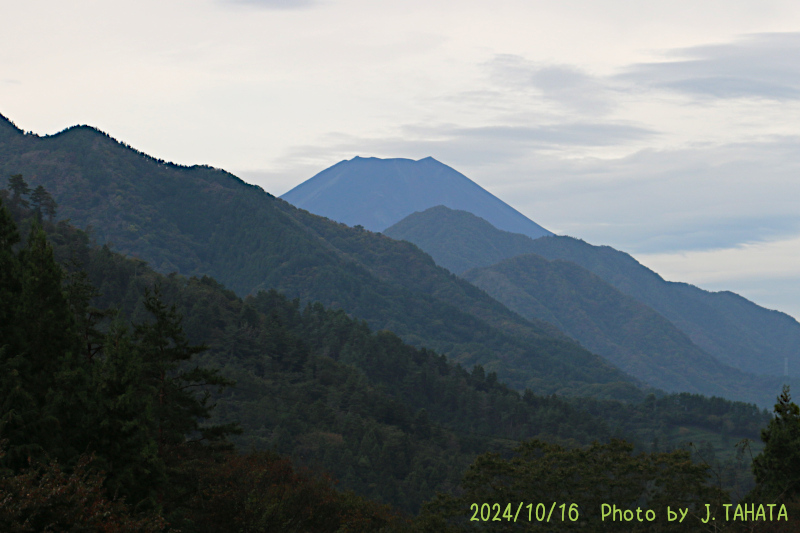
x: 377, y: 193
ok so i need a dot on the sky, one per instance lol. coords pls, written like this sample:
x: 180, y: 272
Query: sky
x: 669, y: 130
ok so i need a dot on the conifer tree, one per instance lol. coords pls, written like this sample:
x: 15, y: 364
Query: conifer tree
x: 122, y: 421
x: 37, y: 338
x: 43, y: 203
x: 9, y: 274
x: 165, y: 352
x: 777, y: 467
x: 19, y: 188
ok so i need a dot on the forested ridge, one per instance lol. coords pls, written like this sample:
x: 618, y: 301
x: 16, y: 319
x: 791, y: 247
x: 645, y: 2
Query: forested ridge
x: 731, y: 329
x: 627, y: 332
x: 204, y: 221
x: 393, y: 422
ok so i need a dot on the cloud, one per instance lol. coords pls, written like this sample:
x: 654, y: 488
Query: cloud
x: 462, y: 147
x: 761, y: 66
x: 667, y: 200
x: 566, y: 85
x: 546, y: 135
x: 765, y: 272
x: 777, y: 259
x: 756, y: 66
x: 488, y: 144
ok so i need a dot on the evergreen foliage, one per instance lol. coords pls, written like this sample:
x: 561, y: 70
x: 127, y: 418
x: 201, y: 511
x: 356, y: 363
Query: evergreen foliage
x: 19, y: 188
x: 394, y: 422
x: 134, y: 399
x: 777, y: 467
x: 251, y: 241
x: 583, y: 479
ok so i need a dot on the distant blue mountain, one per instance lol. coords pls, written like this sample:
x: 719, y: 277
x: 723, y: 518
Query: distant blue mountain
x: 377, y: 193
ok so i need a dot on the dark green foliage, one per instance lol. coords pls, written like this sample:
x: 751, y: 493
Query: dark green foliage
x: 299, y: 390
x: 777, y: 468
x: 43, y: 203
x: 10, y: 282
x: 19, y: 188
x: 37, y: 343
x: 394, y: 422
x: 164, y: 350
x: 66, y: 390
x: 136, y: 401
x: 252, y: 241
x: 123, y: 421
x: 588, y: 477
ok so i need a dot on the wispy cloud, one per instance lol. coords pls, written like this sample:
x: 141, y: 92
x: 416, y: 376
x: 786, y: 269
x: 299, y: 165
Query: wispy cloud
x: 566, y: 85
x: 755, y: 66
x: 546, y: 135
x: 766, y: 272
x: 668, y: 200
x: 462, y: 146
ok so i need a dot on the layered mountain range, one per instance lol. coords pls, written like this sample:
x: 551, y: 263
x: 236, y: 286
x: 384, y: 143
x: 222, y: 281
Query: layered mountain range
x: 732, y: 329
x: 392, y: 422
x: 513, y: 319
x: 204, y: 221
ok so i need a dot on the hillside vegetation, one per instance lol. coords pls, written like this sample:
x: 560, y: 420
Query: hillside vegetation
x: 393, y: 422
x: 202, y: 221
x: 733, y: 330
x: 628, y: 333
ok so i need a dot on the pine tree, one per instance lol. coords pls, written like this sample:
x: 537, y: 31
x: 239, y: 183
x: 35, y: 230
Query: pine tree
x: 43, y: 203
x: 122, y: 420
x: 37, y: 340
x: 20, y: 188
x: 777, y: 467
x: 9, y: 274
x: 166, y: 353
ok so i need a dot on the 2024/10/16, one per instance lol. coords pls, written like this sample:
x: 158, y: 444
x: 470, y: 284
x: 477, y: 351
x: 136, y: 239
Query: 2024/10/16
x: 483, y: 512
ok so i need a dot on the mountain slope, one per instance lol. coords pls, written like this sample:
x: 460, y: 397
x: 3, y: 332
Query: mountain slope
x: 628, y: 333
x: 392, y: 422
x: 732, y: 329
x: 204, y: 221
x: 376, y: 193
x: 459, y: 240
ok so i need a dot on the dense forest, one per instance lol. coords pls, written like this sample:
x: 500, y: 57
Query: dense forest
x: 134, y: 401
